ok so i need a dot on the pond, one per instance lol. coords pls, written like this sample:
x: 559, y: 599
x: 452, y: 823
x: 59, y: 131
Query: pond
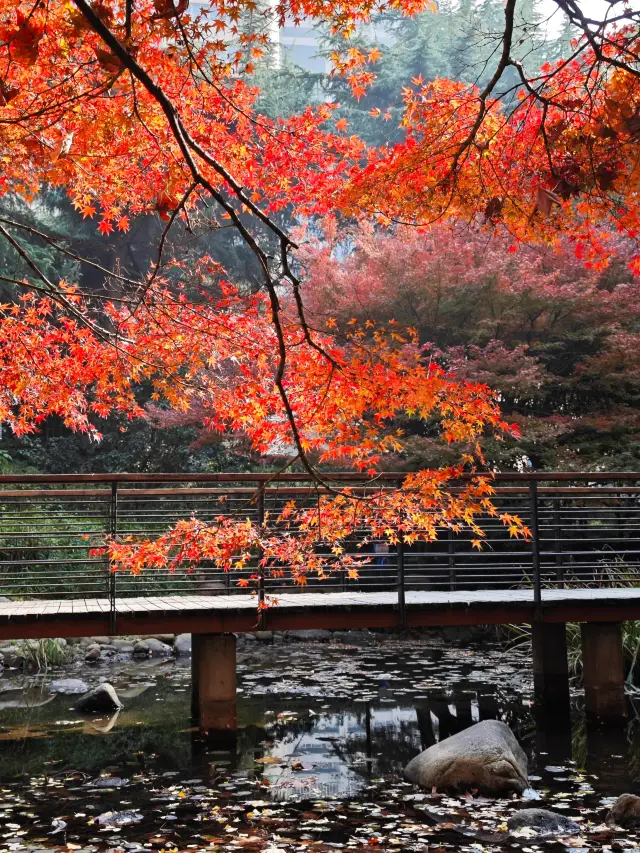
x: 325, y: 731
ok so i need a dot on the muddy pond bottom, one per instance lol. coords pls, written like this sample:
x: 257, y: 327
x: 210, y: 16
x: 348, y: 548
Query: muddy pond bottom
x: 325, y: 731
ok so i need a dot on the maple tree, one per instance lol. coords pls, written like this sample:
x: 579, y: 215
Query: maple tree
x: 553, y: 337
x: 140, y: 108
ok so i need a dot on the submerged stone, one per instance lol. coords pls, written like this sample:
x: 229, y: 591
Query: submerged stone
x: 183, y: 644
x: 108, y: 782
x: 543, y: 822
x: 118, y: 818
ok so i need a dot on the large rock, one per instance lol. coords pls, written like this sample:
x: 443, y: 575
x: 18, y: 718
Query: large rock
x: 183, y: 645
x: 124, y: 647
x: 93, y: 653
x: 68, y: 686
x: 355, y: 637
x: 263, y: 636
x: 103, y: 699
x: 542, y: 822
x: 486, y: 757
x: 625, y: 811
x: 309, y: 634
x: 151, y: 648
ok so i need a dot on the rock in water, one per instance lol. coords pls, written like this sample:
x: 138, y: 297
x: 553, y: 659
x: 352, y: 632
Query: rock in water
x: 69, y: 686
x: 543, y: 822
x: 182, y: 645
x: 485, y: 756
x: 309, y: 634
x: 102, y: 699
x: 123, y: 646
x: 93, y: 653
x: 108, y: 782
x: 625, y: 811
x: 118, y: 818
x: 151, y: 647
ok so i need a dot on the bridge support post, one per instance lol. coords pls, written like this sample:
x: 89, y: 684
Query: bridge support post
x: 550, y: 667
x: 603, y: 671
x: 214, y: 685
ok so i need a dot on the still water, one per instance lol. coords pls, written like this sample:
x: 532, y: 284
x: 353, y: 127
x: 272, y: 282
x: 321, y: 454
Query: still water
x: 325, y: 731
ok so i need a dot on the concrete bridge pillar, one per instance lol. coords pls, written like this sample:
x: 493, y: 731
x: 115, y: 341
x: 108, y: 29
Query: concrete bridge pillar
x: 551, y: 671
x: 213, y: 668
x: 603, y: 671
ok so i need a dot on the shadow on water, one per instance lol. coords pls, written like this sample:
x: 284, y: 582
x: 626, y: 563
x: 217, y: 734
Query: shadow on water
x: 318, y: 722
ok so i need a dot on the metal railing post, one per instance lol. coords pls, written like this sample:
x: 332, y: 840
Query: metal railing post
x: 557, y: 528
x: 113, y: 530
x: 402, y: 608
x: 535, y: 547
x: 261, y: 567
x: 452, y: 561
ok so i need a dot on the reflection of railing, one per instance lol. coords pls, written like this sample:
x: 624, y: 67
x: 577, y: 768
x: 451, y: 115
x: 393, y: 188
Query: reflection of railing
x: 585, y: 532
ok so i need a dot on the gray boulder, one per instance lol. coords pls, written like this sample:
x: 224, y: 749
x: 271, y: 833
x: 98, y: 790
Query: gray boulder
x: 543, y: 822
x: 124, y: 647
x: 103, y: 699
x: 355, y: 637
x: 183, y: 644
x: 12, y: 657
x: 151, y: 648
x: 264, y: 636
x: 486, y: 757
x: 93, y: 653
x: 315, y: 634
x: 141, y: 649
x: 68, y: 686
x: 625, y: 811
x: 158, y: 648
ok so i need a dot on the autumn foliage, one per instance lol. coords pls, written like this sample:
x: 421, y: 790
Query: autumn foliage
x: 145, y: 109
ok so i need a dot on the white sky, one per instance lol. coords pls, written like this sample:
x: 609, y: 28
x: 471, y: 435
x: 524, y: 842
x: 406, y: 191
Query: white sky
x: 596, y: 9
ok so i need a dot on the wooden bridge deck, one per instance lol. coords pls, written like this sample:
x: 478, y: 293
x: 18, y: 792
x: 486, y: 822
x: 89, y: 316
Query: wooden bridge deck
x: 333, y: 610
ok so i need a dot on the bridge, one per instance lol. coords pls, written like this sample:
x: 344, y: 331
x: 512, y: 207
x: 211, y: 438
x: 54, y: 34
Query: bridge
x: 582, y: 564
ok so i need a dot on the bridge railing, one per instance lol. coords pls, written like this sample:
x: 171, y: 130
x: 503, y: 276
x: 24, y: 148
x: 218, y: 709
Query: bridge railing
x: 586, y: 532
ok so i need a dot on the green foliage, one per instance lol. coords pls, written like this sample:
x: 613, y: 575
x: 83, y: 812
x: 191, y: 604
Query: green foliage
x: 455, y: 43
x: 42, y: 654
x: 49, y: 212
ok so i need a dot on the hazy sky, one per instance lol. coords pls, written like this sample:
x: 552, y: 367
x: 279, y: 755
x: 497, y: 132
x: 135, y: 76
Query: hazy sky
x: 592, y: 8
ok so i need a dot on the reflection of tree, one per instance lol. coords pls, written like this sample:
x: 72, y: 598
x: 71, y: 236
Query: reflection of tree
x: 425, y: 726
x: 395, y: 743
x: 391, y: 745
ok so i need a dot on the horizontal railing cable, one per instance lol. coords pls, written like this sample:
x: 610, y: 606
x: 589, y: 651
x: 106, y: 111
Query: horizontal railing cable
x: 586, y: 534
